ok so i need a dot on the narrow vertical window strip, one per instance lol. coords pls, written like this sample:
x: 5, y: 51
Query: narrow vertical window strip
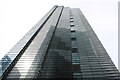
x: 74, y: 50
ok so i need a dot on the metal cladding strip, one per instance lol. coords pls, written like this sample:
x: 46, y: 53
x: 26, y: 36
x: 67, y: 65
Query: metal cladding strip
x: 31, y: 35
x: 39, y: 59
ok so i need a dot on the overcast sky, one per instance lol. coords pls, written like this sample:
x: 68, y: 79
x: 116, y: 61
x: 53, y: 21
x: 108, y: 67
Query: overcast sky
x: 17, y: 17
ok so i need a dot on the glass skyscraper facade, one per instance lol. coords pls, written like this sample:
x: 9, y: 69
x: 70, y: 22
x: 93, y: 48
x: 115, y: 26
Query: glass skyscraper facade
x: 62, y: 45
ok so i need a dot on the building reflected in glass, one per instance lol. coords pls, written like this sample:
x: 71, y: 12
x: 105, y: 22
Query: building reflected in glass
x: 61, y: 45
x: 4, y: 63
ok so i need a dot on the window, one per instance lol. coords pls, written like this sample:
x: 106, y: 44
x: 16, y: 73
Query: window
x: 74, y: 44
x: 71, y: 17
x: 71, y: 24
x: 73, y: 38
x: 73, y: 34
x: 74, y: 50
x: 72, y: 31
x: 71, y: 20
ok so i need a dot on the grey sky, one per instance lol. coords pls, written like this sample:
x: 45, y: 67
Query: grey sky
x: 17, y: 17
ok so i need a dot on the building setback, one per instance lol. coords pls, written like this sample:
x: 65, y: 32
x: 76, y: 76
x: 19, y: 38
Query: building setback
x: 61, y: 45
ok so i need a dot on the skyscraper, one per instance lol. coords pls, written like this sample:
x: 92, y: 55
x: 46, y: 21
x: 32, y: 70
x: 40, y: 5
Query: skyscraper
x: 61, y: 45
